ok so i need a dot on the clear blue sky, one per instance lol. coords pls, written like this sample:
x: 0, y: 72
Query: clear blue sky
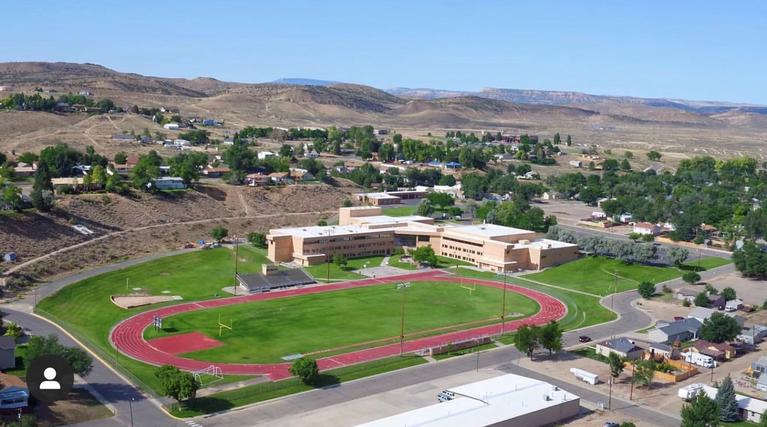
x: 684, y: 49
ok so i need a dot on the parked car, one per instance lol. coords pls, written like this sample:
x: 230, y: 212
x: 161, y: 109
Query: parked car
x: 584, y: 338
x: 610, y: 424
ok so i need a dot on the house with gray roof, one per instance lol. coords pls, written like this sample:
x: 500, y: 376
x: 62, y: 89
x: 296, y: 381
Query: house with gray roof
x: 703, y: 313
x: 682, y: 330
x: 752, y: 335
x: 660, y: 350
x: 621, y: 346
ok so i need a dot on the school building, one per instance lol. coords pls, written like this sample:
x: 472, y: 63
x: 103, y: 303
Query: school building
x: 364, y: 231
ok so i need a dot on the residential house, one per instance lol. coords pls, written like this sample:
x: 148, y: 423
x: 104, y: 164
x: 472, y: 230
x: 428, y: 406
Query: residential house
x: 576, y: 163
x: 215, y: 172
x: 759, y: 366
x: 279, y: 177
x: 663, y: 351
x: 703, y: 313
x: 14, y: 394
x: 679, y: 330
x: 262, y: 155
x: 716, y: 301
x: 7, y: 352
x: 25, y: 169
x: 686, y: 294
x: 257, y: 179
x: 313, y: 154
x: 718, y: 351
x: 229, y: 141
x: 505, y: 157
x: 60, y: 183
x: 123, y: 137
x: 752, y: 334
x: 733, y: 305
x: 552, y: 195
x: 168, y: 183
x: 625, y: 218
x: 645, y: 228
x: 300, y: 175
x: 621, y: 346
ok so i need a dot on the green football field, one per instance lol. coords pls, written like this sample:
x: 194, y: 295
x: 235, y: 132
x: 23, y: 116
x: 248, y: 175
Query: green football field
x: 340, y: 321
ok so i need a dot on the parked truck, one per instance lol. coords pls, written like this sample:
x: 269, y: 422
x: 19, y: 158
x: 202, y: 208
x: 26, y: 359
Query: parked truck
x: 699, y: 359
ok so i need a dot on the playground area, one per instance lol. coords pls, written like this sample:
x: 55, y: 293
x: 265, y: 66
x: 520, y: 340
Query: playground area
x: 338, y: 324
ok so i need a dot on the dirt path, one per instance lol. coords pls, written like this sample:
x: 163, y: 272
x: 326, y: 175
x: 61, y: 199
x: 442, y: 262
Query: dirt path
x: 148, y: 227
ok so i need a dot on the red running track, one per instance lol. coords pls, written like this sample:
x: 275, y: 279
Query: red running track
x: 128, y: 336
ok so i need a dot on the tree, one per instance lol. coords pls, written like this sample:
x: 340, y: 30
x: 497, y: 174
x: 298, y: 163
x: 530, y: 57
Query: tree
x: 763, y: 420
x: 80, y: 361
x: 286, y: 151
x: 121, y: 158
x: 340, y: 260
x: 526, y: 340
x: 677, y: 256
x: 257, y: 239
x: 719, y: 328
x: 187, y: 165
x: 218, y: 233
x: 347, y: 203
x: 691, y: 277
x: 551, y: 337
x: 702, y: 411
x: 654, y: 155
x: 42, y: 200
x: 147, y: 168
x: 306, y: 369
x: 701, y: 300
x: 177, y: 384
x: 751, y: 260
x: 425, y: 254
x: 425, y: 208
x: 447, y: 180
x: 13, y: 329
x: 569, y: 140
x: 99, y: 176
x: 644, y: 370
x: 725, y: 399
x: 646, y: 290
x: 616, y: 364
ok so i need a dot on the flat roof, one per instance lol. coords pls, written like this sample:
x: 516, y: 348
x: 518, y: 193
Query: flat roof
x: 484, y: 403
x: 377, y: 195
x: 384, y: 219
x: 545, y: 244
x: 320, y: 231
x: 487, y: 230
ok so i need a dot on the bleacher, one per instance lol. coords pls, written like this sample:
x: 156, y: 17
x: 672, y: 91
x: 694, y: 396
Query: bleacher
x: 278, y: 279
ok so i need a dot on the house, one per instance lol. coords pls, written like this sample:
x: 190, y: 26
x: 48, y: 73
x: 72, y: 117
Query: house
x: 7, y: 352
x: 716, y: 301
x: 257, y: 179
x: 453, y: 165
x: 215, y: 172
x: 279, y: 177
x: 10, y: 257
x: 703, y: 313
x: 575, y: 163
x: 749, y: 408
x: 621, y: 346
x: 686, y: 294
x: 25, y: 169
x: 313, y: 154
x: 679, y: 330
x: 210, y: 122
x: 171, y: 126
x: 14, y: 394
x: 625, y: 218
x: 753, y: 334
x: 663, y: 351
x: 646, y: 228
x: 228, y: 141
x: 552, y: 195
x: 168, y: 183
x: 718, y: 351
x: 505, y: 157
x: 61, y: 183
x: 262, y: 155
x: 298, y: 175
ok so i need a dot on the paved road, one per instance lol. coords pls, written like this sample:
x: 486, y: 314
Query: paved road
x: 501, y: 358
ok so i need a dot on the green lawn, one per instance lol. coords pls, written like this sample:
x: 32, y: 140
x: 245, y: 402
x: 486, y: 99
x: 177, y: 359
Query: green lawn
x: 85, y: 309
x: 319, y: 324
x: 320, y: 271
x: 708, y: 263
x: 582, y: 310
x: 595, y: 275
x: 404, y: 210
x: 271, y: 390
x: 444, y: 262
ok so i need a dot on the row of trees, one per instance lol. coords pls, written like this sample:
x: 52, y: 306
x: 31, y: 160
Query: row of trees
x: 529, y: 338
x: 37, y: 102
x: 624, y: 250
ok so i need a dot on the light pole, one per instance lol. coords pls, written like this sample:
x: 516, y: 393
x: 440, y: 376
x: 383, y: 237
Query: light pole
x: 503, y: 306
x: 130, y: 406
x: 402, y: 287
x: 610, y: 395
x: 236, y: 261
x: 327, y: 257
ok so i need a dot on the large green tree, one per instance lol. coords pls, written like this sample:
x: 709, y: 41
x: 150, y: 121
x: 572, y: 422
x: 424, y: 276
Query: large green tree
x: 177, y: 384
x: 725, y: 399
x: 702, y: 411
x: 526, y: 339
x: 306, y: 369
x: 719, y: 328
x: 80, y: 361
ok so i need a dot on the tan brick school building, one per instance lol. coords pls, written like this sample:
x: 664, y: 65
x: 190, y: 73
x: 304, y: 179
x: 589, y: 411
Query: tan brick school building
x: 364, y: 231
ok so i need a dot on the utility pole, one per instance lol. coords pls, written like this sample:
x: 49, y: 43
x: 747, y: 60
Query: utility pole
x: 610, y: 395
x: 633, y: 372
x: 503, y: 306
x: 130, y: 405
x: 402, y: 288
x: 236, y: 261
x: 327, y: 258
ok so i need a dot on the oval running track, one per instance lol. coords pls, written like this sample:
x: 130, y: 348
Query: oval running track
x: 128, y: 335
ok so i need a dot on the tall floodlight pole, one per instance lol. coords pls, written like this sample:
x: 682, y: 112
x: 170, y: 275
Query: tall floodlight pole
x: 503, y: 306
x: 402, y: 287
x: 236, y: 261
x: 327, y: 257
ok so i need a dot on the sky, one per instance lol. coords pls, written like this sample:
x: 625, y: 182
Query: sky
x: 700, y: 50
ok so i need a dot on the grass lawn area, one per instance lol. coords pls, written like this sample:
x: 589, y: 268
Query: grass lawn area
x: 319, y: 324
x: 582, y: 310
x: 708, y: 263
x: 404, y: 210
x: 595, y: 275
x: 85, y: 308
x: 265, y: 391
x: 320, y: 271
x: 443, y: 262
